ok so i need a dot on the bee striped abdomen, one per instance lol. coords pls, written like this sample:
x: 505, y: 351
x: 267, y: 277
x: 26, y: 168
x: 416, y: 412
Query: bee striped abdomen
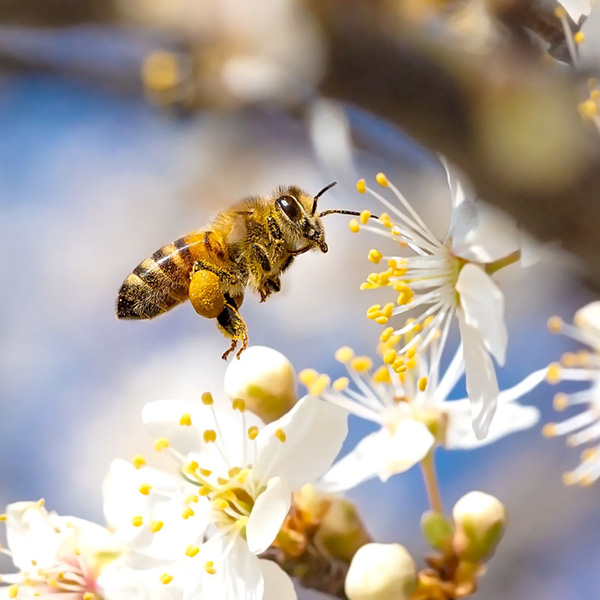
x: 158, y: 283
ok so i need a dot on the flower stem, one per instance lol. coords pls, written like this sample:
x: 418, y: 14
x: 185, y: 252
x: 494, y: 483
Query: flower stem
x: 503, y: 262
x: 431, y: 484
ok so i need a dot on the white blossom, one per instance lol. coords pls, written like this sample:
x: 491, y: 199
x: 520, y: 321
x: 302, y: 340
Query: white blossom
x: 231, y: 496
x: 409, y: 404
x: 55, y: 555
x: 582, y: 428
x: 448, y: 278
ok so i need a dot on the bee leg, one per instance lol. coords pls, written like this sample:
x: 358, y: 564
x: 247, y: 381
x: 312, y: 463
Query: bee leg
x: 230, y: 322
x: 222, y: 274
x: 270, y: 286
x: 286, y: 265
x: 263, y: 259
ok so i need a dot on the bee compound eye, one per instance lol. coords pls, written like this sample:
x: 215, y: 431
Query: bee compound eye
x: 289, y: 205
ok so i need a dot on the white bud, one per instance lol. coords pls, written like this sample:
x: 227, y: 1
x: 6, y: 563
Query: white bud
x: 480, y: 520
x: 381, y: 572
x: 265, y: 380
x: 588, y: 320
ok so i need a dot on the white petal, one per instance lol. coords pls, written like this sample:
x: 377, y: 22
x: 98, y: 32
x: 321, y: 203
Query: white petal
x: 31, y: 535
x: 278, y: 585
x: 483, y: 306
x: 314, y: 430
x: 587, y: 319
x: 509, y: 418
x: 408, y: 446
x: 576, y: 8
x: 482, y: 385
x: 238, y: 574
x: 268, y: 514
x: 126, y: 583
x: 360, y: 464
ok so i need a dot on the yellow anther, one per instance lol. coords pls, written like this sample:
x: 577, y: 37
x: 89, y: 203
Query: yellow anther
x: 422, y: 384
x: 553, y: 374
x: 207, y: 399
x: 319, y: 385
x: 386, y: 334
x: 589, y: 454
x: 588, y: 109
x: 362, y: 364
x: 204, y: 490
x: 373, y: 311
x: 340, y: 384
x: 381, y: 320
x: 555, y: 324
x: 187, y: 512
x: 560, y: 401
x: 252, y: 432
x: 239, y: 404
x: 411, y: 363
x: 138, y: 461
x: 166, y: 578
x: 549, y: 430
x: 156, y: 526
x: 308, y: 377
x: 88, y: 596
x: 222, y: 481
x: 280, y: 435
x: 392, y: 263
x: 40, y: 503
x: 568, y: 478
x: 209, y: 435
x: 361, y: 186
x: 137, y: 521
x: 381, y: 179
x: 13, y: 590
x: 3, y: 518
x: 595, y: 95
x: 145, y: 488
x: 388, y: 309
x: 569, y: 359
x: 161, y: 444
x: 344, y: 354
x: 579, y: 37
x: 205, y: 472
x: 382, y: 375
x: 354, y: 226
x: 185, y: 419
x: 385, y: 220
x: 192, y: 550
x: 209, y: 567
x: 586, y: 480
x: 220, y: 504
x: 572, y: 441
x: 191, y: 467
x: 411, y: 352
x: 241, y: 522
x: 375, y: 256
x: 365, y: 215
x: 560, y: 12
x: 389, y: 356
x: 243, y: 475
x: 52, y: 582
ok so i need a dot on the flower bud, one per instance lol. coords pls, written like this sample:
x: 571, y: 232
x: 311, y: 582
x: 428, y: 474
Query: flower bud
x: 381, y: 572
x: 341, y: 531
x: 480, y: 520
x: 437, y: 530
x: 265, y: 380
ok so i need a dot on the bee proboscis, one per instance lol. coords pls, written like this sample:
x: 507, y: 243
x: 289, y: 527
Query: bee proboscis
x: 249, y: 244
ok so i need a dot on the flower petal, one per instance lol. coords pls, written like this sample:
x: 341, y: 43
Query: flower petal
x: 238, y: 574
x: 268, y: 514
x: 314, y: 433
x: 360, y: 464
x: 483, y: 306
x: 278, y: 585
x: 408, y: 446
x: 482, y: 385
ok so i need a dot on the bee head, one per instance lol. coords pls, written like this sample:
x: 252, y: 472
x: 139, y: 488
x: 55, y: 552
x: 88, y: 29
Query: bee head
x: 301, y: 226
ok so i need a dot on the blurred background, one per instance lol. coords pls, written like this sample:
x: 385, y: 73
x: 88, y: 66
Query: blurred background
x: 124, y: 125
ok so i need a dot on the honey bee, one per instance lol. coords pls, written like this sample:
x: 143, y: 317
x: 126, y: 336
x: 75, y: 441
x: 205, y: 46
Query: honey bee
x: 248, y: 245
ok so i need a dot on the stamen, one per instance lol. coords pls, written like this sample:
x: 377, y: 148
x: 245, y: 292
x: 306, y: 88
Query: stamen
x: 209, y: 435
x: 138, y: 461
x: 161, y: 444
x: 354, y: 226
x: 340, y: 384
x: 361, y: 186
x: 156, y: 526
x: 362, y: 364
x: 166, y: 578
x: 13, y: 590
x: 209, y: 567
x: 207, y: 399
x: 560, y: 401
x: 308, y: 377
x: 319, y: 386
x: 187, y: 512
x: 185, y: 420
x: 239, y: 404
x: 375, y: 256
x: 555, y: 324
x: 145, y: 489
x: 280, y: 435
x: 553, y: 376
x: 192, y: 550
x: 252, y: 432
x: 422, y: 384
x: 365, y: 216
x: 137, y: 521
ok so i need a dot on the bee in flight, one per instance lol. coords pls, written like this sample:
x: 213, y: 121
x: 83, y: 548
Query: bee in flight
x: 250, y: 244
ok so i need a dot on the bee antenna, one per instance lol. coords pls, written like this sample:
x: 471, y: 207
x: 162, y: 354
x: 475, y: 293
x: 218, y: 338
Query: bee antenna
x: 344, y: 212
x: 327, y: 187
